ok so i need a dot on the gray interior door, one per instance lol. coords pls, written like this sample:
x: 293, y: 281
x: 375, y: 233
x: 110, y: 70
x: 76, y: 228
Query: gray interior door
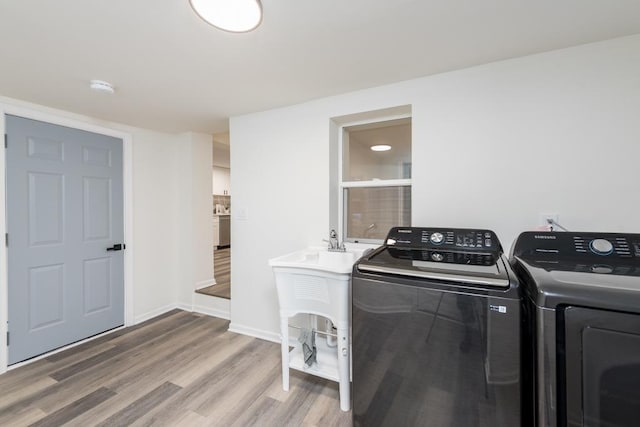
x: 64, y: 213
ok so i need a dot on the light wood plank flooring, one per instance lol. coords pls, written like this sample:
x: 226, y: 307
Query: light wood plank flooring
x: 179, y: 369
x: 222, y: 274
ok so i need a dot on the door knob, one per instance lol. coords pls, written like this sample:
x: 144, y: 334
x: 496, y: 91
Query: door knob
x: 117, y: 247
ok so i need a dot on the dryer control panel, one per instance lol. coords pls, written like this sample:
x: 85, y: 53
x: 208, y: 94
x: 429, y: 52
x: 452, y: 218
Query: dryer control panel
x: 613, y: 253
x: 569, y: 245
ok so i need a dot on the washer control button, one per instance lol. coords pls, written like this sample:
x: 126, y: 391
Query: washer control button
x: 601, y: 246
x: 437, y: 238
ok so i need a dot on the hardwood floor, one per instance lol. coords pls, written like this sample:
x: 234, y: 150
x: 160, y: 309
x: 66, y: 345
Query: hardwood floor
x: 179, y: 369
x: 222, y: 273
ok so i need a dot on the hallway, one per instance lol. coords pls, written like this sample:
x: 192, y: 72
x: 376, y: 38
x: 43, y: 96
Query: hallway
x: 222, y: 274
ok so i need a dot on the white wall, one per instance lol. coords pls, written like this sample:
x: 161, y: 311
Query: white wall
x: 156, y: 216
x: 554, y: 132
x: 194, y: 212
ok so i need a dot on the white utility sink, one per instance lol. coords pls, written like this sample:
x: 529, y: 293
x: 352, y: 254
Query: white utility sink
x: 320, y: 258
x: 317, y: 281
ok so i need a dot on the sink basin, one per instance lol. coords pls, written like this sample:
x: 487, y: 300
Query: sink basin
x: 319, y: 258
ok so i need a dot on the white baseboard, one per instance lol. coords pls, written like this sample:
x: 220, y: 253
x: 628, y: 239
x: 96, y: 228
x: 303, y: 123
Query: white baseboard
x: 213, y: 306
x: 219, y: 307
x: 183, y: 306
x: 209, y: 311
x: 222, y: 314
x: 253, y: 332
x: 157, y: 312
x: 205, y: 283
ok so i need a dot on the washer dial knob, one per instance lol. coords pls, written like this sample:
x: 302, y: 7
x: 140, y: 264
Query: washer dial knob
x: 437, y: 238
x: 601, y: 247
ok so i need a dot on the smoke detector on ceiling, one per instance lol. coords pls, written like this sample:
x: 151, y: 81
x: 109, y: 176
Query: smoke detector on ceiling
x: 101, y: 86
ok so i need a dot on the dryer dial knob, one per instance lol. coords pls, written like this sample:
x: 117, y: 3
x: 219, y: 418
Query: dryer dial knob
x: 437, y: 257
x: 601, y: 246
x: 436, y: 238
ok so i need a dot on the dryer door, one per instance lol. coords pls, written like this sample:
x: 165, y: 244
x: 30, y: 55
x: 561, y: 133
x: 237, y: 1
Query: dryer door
x: 602, y: 368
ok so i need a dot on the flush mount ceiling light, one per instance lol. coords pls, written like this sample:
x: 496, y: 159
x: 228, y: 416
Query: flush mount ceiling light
x: 236, y: 16
x: 381, y: 147
x: 101, y: 86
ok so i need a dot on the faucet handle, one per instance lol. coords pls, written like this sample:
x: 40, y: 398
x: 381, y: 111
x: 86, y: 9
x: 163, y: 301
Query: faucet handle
x: 334, y: 243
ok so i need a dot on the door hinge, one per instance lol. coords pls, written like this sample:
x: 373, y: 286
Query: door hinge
x: 6, y: 239
x: 7, y: 338
x: 6, y: 139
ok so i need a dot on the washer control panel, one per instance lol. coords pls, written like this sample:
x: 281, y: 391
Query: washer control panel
x: 444, y: 239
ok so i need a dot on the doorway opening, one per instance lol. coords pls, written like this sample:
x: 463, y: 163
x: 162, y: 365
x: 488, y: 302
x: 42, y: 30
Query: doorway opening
x: 221, y: 192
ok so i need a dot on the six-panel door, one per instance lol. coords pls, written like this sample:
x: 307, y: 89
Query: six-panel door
x: 64, y: 209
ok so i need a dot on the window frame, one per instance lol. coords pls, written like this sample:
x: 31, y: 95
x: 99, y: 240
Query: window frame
x: 344, y: 185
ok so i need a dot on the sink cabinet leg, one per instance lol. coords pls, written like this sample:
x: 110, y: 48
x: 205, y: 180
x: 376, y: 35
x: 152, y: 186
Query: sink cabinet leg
x: 284, y: 333
x: 343, y: 369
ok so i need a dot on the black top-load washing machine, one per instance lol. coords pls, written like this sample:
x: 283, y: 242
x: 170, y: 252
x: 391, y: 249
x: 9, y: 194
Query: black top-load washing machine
x: 436, y: 331
x: 582, y: 301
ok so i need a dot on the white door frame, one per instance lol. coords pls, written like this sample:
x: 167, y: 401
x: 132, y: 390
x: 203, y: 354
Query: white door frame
x: 128, y: 214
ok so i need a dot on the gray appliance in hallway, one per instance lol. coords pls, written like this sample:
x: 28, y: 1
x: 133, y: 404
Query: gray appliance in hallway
x: 436, y: 331
x: 582, y: 299
x: 225, y: 231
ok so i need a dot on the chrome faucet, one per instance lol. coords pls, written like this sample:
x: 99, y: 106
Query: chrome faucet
x: 334, y: 244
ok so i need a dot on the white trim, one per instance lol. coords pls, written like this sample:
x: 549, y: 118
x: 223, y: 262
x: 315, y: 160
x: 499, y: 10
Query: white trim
x: 341, y: 213
x: 354, y: 184
x: 127, y: 172
x: 155, y: 313
x: 4, y: 281
x: 376, y: 183
x: 127, y: 184
x: 214, y: 312
x: 253, y: 332
x: 211, y: 306
x: 201, y: 309
x: 378, y: 119
x: 205, y: 283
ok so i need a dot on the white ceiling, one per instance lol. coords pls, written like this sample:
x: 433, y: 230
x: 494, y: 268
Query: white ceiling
x: 175, y: 73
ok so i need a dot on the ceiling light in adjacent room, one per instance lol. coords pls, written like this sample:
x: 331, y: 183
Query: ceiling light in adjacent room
x: 237, y: 16
x: 101, y: 86
x: 381, y: 147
